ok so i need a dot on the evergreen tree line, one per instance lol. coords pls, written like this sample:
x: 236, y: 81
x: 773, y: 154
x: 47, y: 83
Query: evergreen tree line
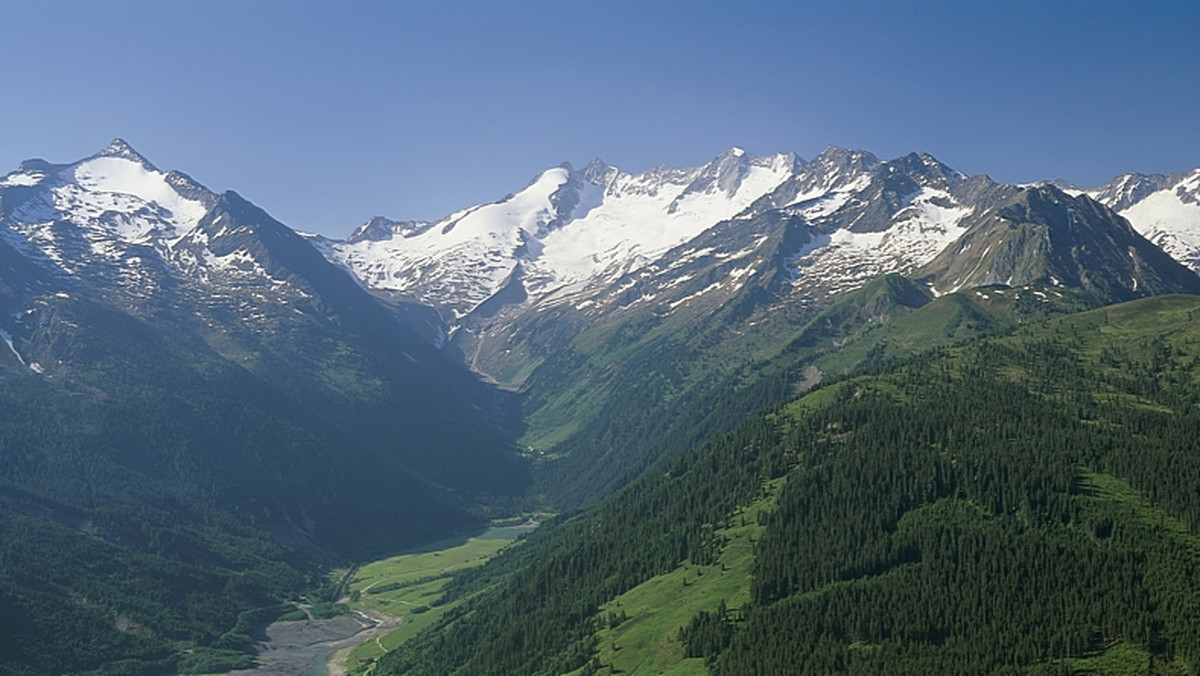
x: 999, y: 507
x: 942, y: 520
x: 535, y: 611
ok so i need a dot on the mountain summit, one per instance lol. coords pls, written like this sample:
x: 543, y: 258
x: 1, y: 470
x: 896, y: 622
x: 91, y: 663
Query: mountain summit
x: 110, y: 245
x: 566, y: 231
x: 1041, y: 235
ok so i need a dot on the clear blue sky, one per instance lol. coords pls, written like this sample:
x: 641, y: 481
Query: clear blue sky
x: 326, y: 113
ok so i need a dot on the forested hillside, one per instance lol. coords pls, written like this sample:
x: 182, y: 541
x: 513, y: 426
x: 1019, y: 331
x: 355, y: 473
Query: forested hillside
x: 1024, y: 503
x: 158, y: 500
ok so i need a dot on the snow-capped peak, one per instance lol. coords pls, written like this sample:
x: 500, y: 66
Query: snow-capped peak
x: 1164, y: 209
x: 726, y: 172
x: 567, y: 228
x: 120, y: 148
x: 121, y: 184
x: 112, y: 215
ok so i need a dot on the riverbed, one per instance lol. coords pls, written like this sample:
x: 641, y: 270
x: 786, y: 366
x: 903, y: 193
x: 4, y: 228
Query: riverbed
x: 303, y: 647
x: 307, y: 647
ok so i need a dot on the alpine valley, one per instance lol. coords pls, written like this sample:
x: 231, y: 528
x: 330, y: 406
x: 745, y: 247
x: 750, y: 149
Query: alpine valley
x: 837, y: 415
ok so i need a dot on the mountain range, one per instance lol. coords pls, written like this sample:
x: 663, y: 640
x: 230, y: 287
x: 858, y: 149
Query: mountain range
x: 574, y: 292
x: 590, y: 285
x: 571, y: 235
x: 181, y: 369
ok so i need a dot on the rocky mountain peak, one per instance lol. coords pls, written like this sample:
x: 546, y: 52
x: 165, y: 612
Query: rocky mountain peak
x: 1041, y: 235
x: 1128, y: 189
x: 845, y: 160
x: 377, y: 229
x: 723, y: 173
x: 925, y: 169
x: 121, y: 148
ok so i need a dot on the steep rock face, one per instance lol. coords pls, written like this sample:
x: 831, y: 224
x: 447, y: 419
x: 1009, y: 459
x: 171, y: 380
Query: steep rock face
x: 1043, y: 236
x: 1164, y: 208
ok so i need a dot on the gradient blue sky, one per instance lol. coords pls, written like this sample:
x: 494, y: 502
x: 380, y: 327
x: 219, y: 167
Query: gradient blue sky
x: 327, y: 113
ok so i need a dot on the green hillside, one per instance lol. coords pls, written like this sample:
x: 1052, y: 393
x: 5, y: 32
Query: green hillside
x: 1026, y: 503
x: 630, y: 393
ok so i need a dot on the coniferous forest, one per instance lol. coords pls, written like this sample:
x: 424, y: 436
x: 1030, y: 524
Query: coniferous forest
x: 1028, y: 503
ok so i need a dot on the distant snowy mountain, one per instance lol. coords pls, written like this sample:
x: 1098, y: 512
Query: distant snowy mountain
x: 598, y: 241
x: 566, y: 231
x: 580, y: 248
x: 1165, y: 209
x: 151, y: 237
x: 112, y: 216
x: 114, y: 231
x: 836, y: 222
x: 575, y: 236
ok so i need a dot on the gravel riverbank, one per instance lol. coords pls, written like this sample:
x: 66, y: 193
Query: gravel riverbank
x: 303, y: 647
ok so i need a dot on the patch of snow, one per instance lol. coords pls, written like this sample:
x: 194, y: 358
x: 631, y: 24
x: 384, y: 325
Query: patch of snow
x: 693, y: 256
x: 827, y: 189
x: 127, y: 185
x: 677, y: 281
x: 21, y: 179
x: 734, y: 255
x: 1170, y: 222
x: 711, y: 287
x: 737, y: 273
x: 8, y: 340
x: 644, y: 298
x: 824, y: 205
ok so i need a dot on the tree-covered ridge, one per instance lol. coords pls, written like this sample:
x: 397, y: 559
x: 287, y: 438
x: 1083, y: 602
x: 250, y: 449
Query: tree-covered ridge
x: 118, y: 551
x: 1020, y: 504
x: 644, y: 389
x: 963, y: 514
x: 159, y: 498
